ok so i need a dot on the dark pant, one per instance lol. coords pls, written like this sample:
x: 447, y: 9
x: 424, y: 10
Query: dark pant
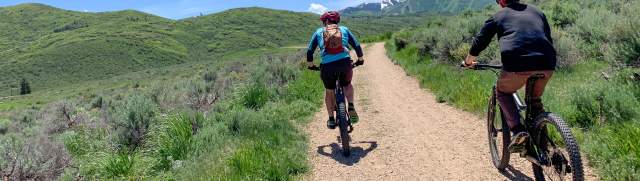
x: 330, y: 72
x: 509, y: 83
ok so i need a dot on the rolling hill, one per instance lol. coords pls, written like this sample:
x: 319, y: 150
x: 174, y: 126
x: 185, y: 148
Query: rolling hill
x: 52, y: 47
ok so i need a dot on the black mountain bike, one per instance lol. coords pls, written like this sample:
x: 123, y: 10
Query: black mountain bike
x: 342, y: 118
x: 551, y: 149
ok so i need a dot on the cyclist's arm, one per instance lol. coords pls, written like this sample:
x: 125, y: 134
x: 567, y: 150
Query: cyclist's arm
x: 313, y: 44
x: 482, y: 40
x: 355, y: 44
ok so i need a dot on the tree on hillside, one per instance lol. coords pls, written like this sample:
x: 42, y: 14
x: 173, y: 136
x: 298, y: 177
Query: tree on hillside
x: 24, y: 87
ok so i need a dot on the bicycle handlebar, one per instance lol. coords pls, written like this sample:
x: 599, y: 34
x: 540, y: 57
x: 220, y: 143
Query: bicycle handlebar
x: 316, y: 68
x: 482, y: 66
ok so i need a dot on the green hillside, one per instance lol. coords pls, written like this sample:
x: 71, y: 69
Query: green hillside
x: 595, y: 89
x: 247, y: 28
x: 51, y: 47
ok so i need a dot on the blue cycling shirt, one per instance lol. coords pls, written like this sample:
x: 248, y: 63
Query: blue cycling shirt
x: 347, y: 39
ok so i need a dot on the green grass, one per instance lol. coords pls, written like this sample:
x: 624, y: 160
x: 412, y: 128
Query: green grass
x: 158, y: 135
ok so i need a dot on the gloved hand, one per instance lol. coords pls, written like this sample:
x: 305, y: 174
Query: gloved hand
x: 360, y: 61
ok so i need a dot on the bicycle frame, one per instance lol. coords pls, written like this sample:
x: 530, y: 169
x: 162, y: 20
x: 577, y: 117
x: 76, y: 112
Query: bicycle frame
x: 538, y: 157
x: 341, y: 113
x: 532, y: 146
x: 540, y: 149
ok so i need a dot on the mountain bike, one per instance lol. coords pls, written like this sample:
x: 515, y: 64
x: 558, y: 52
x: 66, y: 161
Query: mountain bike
x: 552, y: 148
x: 342, y: 117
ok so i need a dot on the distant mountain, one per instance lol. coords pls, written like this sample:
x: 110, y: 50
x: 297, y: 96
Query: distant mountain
x: 365, y: 9
x: 435, y: 6
x: 387, y: 3
x: 405, y: 7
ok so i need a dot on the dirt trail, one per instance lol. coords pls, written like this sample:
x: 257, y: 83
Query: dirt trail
x: 404, y: 134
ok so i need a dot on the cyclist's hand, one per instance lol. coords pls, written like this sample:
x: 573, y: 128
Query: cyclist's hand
x: 310, y: 65
x: 360, y: 61
x: 470, y: 61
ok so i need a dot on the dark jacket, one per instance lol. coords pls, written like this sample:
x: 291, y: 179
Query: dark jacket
x: 525, y: 38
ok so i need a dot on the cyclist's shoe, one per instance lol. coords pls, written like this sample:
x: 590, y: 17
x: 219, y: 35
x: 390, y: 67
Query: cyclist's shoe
x: 331, y: 123
x: 518, y: 142
x: 353, y: 116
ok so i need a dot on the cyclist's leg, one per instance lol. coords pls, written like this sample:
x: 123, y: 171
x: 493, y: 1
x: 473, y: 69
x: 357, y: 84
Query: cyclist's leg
x: 538, y: 90
x: 346, y: 83
x: 330, y: 101
x: 509, y: 83
x: 346, y: 77
x: 327, y: 74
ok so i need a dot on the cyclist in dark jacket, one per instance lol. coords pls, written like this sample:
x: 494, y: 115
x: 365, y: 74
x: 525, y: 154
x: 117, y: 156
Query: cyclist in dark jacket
x: 526, y: 49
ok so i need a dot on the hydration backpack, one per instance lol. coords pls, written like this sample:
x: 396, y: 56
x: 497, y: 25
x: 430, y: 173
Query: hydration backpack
x: 333, y: 39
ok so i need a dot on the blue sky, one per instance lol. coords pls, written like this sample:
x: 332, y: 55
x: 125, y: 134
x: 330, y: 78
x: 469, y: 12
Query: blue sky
x: 177, y: 9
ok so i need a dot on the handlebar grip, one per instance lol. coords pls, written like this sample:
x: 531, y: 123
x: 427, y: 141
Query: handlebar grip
x: 314, y: 68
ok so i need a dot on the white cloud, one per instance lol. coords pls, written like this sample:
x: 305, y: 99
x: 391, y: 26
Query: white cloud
x: 317, y: 8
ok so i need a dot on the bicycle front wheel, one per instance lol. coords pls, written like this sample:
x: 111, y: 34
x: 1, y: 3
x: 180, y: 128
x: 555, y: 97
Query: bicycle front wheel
x: 499, y: 135
x: 557, y: 144
x: 343, y: 123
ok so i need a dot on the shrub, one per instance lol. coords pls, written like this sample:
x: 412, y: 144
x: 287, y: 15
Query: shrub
x: 627, y: 50
x: 615, y: 152
x: 76, y: 144
x: 135, y: 116
x: 174, y: 138
x: 592, y: 31
x: 118, y: 165
x: 255, y: 96
x: 25, y: 88
x: 61, y: 116
x: 97, y: 102
x: 4, y: 126
x: 562, y: 13
x: 72, y: 26
x: 39, y: 158
x: 277, y: 71
x: 567, y: 53
x: 201, y: 96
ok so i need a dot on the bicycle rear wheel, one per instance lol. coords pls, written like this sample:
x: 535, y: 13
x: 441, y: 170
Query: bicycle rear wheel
x: 343, y: 123
x: 498, y: 134
x: 555, y: 140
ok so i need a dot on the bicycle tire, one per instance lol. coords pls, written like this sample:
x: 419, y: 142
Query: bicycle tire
x: 570, y: 145
x: 500, y: 159
x: 343, y: 123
